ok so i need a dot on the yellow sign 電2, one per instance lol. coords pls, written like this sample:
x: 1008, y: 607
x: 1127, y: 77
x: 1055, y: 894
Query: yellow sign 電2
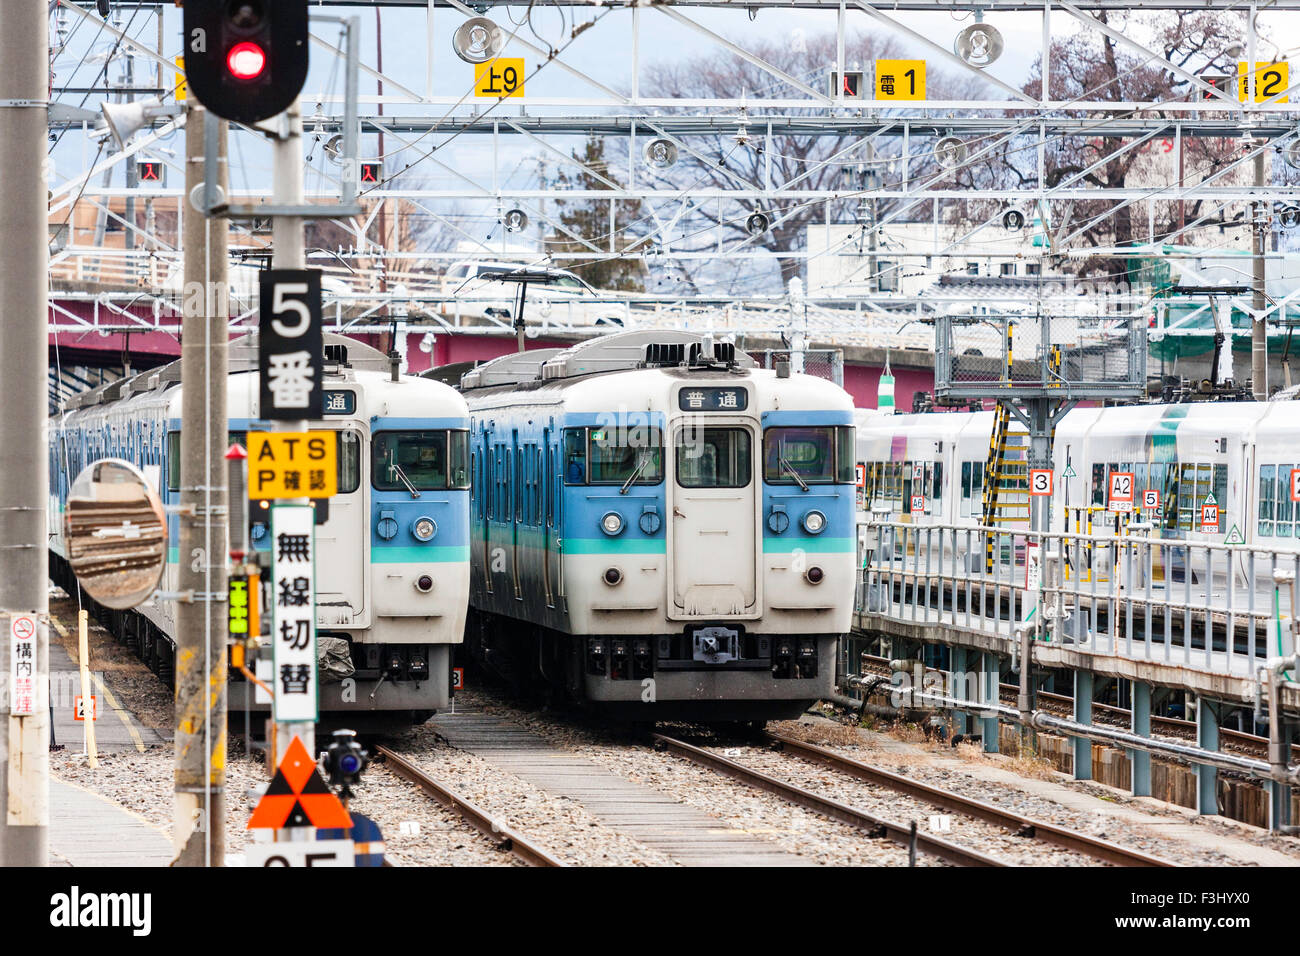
x: 292, y: 464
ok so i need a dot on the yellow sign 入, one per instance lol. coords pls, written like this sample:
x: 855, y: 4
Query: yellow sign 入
x: 292, y: 465
x: 500, y: 77
x: 900, y: 79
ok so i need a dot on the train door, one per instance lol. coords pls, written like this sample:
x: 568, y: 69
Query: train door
x: 548, y: 515
x: 515, y: 464
x: 712, y: 497
x: 340, y: 585
x: 486, y: 490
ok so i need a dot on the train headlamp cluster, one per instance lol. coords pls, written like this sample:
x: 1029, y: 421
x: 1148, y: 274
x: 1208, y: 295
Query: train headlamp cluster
x: 814, y: 522
x: 611, y: 523
x: 424, y: 528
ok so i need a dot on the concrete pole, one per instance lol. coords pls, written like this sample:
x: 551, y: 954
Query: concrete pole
x: 24, y: 367
x: 1258, y: 326
x: 201, y: 662
x: 289, y: 252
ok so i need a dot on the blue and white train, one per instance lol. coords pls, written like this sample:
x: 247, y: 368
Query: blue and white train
x: 392, y: 571
x: 661, y: 529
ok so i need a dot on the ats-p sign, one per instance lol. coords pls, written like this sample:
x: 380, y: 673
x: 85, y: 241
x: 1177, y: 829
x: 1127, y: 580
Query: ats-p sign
x: 292, y: 464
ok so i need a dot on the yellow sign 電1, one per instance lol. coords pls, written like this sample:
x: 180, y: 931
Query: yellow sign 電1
x: 500, y: 77
x: 900, y: 79
x: 1270, y: 80
x: 292, y: 464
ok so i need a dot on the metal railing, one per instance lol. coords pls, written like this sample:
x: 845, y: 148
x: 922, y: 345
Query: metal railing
x: 1209, y: 606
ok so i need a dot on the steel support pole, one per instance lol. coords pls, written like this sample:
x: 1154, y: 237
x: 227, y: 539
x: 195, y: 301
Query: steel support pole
x: 989, y: 695
x: 1083, y: 714
x: 24, y: 368
x: 1279, y: 794
x: 1258, y: 325
x: 960, y: 720
x: 1140, y: 760
x: 199, y: 829
x: 289, y: 252
x: 1207, y: 777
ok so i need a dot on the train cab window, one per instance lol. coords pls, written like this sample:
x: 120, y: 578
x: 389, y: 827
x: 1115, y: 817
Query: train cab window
x: 619, y: 454
x: 417, y: 461
x: 613, y: 456
x: 818, y: 455
x: 713, y: 457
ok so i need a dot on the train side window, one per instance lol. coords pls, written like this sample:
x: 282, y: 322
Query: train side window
x: 173, y: 461
x: 965, y: 489
x: 1098, y: 484
x: 936, y: 482
x: 575, y: 456
x: 1267, y: 479
x: 1285, y: 507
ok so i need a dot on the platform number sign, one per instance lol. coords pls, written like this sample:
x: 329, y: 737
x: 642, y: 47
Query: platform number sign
x: 1295, y: 484
x: 861, y: 471
x: 458, y: 678
x: 1120, y: 497
x: 1040, y: 481
x: 83, y: 710
x: 1151, y: 499
x: 293, y: 599
x: 1209, y: 518
x: 918, y: 504
x: 290, y: 345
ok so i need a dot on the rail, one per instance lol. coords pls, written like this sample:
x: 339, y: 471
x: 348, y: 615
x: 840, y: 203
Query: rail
x: 504, y: 837
x: 1063, y: 837
x: 934, y: 846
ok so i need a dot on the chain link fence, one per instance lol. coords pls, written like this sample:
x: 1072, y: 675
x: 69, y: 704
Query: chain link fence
x: 1105, y: 355
x: 822, y: 363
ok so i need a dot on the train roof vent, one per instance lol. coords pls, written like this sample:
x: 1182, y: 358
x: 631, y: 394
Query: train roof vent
x: 512, y: 369
x: 665, y: 354
x: 632, y: 349
x: 356, y: 354
x: 336, y: 353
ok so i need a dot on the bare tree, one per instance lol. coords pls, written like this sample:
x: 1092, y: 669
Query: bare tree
x: 819, y: 162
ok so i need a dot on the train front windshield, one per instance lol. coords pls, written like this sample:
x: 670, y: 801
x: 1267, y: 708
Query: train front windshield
x: 421, y: 460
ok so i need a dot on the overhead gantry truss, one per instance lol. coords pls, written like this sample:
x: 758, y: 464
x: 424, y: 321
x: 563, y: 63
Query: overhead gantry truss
x: 999, y: 116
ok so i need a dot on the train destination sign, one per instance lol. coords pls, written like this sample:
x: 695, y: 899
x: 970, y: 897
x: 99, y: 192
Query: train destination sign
x: 713, y: 399
x: 292, y: 465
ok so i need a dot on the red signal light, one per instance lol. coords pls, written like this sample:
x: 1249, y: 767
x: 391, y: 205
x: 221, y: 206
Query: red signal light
x: 246, y: 61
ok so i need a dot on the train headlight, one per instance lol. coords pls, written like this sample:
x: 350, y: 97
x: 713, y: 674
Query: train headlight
x: 612, y: 523
x: 814, y: 522
x: 424, y: 583
x: 815, y: 575
x: 613, y: 576
x: 424, y: 528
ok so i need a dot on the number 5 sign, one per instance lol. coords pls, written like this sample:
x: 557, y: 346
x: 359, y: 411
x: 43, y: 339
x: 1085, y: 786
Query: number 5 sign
x: 1040, y: 481
x: 290, y: 345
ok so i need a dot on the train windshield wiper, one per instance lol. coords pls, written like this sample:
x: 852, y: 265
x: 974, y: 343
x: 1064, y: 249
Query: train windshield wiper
x: 397, y: 470
x: 636, y: 473
x: 787, y: 467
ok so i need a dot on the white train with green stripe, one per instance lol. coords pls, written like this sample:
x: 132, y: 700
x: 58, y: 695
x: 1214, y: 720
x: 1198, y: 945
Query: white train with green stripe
x: 661, y: 529
x: 392, y: 569
x: 1239, y: 456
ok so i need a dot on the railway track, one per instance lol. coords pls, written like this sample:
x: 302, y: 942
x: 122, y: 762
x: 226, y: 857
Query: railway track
x: 874, y: 825
x: 1021, y: 825
x: 504, y: 837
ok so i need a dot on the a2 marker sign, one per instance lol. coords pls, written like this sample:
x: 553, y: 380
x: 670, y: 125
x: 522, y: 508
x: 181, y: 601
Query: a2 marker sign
x: 290, y: 345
